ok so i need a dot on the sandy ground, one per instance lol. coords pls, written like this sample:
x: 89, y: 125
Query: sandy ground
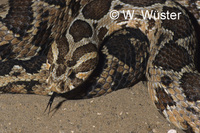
x: 124, y: 111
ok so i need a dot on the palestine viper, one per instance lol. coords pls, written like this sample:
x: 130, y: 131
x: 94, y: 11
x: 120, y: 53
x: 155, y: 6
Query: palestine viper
x: 76, y: 49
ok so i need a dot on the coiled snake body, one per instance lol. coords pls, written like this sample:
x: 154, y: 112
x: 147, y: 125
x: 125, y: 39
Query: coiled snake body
x: 76, y: 49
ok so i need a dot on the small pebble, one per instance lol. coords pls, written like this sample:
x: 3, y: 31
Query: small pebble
x: 98, y: 113
x: 172, y: 131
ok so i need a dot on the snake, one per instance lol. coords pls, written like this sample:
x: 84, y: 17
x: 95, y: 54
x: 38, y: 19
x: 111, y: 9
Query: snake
x: 88, y: 48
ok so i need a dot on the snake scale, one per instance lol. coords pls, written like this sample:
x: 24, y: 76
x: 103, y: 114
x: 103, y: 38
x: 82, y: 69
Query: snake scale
x: 75, y: 49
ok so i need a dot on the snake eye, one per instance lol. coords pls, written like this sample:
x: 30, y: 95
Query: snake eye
x: 71, y: 63
x: 72, y: 75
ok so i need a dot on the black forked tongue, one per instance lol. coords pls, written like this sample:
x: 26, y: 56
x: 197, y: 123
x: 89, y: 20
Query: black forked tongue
x: 50, y: 102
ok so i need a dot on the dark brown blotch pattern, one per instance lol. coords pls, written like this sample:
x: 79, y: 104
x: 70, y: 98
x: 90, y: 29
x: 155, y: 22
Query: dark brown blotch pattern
x: 33, y: 65
x: 80, y: 51
x: 172, y: 57
x: 160, y: 39
x: 75, y: 7
x: 80, y: 29
x: 163, y: 99
x: 61, y: 3
x: 142, y: 3
x: 16, y: 74
x: 19, y: 17
x: 42, y: 39
x: 190, y: 82
x: 118, y: 7
x: 6, y: 51
x: 180, y: 27
x: 63, y: 48
x: 96, y: 9
x: 6, y: 67
x: 102, y: 33
x: 28, y: 85
x: 87, y: 65
x: 50, y: 56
